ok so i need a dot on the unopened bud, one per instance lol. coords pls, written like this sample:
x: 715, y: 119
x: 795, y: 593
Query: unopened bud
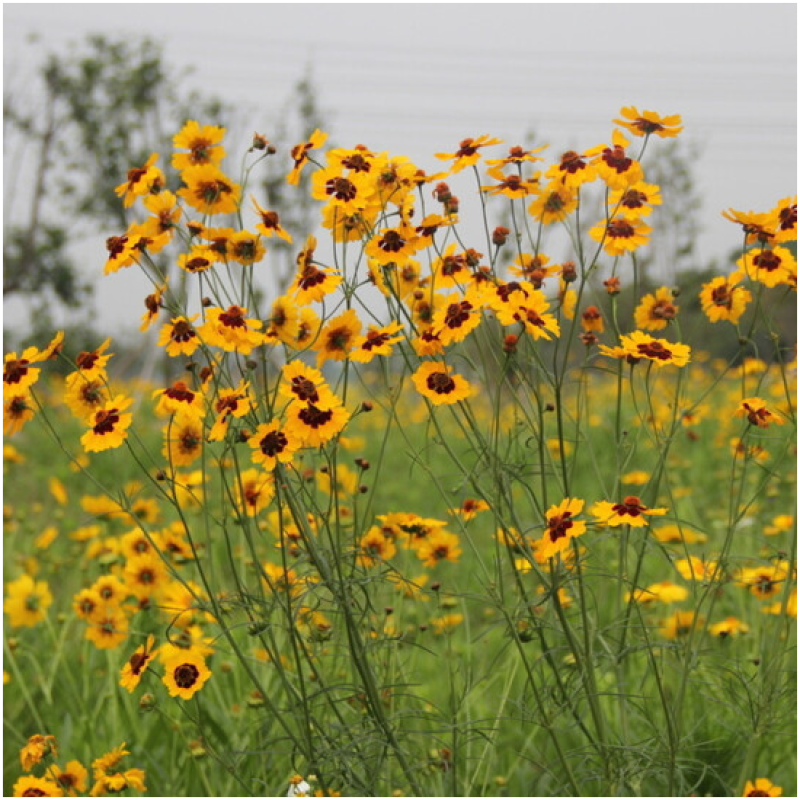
x: 500, y: 236
x: 568, y: 272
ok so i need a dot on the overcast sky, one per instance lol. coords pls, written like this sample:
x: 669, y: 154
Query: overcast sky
x: 415, y: 79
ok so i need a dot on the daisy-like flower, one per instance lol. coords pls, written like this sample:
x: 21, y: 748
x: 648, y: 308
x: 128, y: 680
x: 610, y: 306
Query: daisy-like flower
x: 300, y: 153
x: 18, y: 409
x: 209, y: 190
x: 185, y: 674
x: 758, y: 227
x: 631, y: 511
x: 349, y: 193
x: 377, y: 342
x: 764, y: 582
x: 337, y: 337
x: 19, y: 374
x: 451, y: 269
x: 198, y: 259
x: 529, y: 307
x: 728, y: 628
x: 680, y: 624
x: 469, y: 509
x: 305, y: 384
x: 36, y: 748
x: 592, y: 320
x: 467, y: 153
x: 774, y: 266
x: 135, y: 666
x: 165, y: 213
x: 152, y: 304
x: 312, y: 282
x: 786, y: 213
x: 435, y: 382
x: 178, y: 398
x: 554, y: 203
x: 314, y: 426
x: 722, y: 299
x: 393, y: 245
x: 661, y: 352
x: 230, y: 403
x: 72, y: 779
x: 254, y: 491
x: 231, y: 330
x: 516, y: 156
x: 655, y: 311
x: 663, y: 592
x: 647, y: 123
x: 272, y: 445
x: 762, y: 787
x: 621, y: 235
x: 270, y: 224
x: 455, y: 321
x: 202, y: 142
x: 757, y: 413
x: 561, y: 527
x: 246, y: 248
x: 141, y: 181
x: 375, y: 547
x: 179, y: 336
x: 183, y: 439
x: 109, y: 425
x: 107, y: 628
x: 513, y: 186
x: 573, y: 170
x: 31, y: 786
x: 439, y: 546
x: 636, y: 200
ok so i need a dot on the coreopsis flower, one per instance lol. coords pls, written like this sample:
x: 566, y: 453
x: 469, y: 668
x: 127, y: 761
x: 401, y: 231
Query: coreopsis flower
x: 107, y: 628
x: 678, y: 534
x: 198, y: 259
x: 31, y: 786
x: 131, y: 673
x: 631, y: 511
x: 36, y: 748
x: 561, y: 528
x: 183, y: 439
x: 450, y: 269
x: 349, y: 227
x: 728, y: 628
x: 762, y: 787
x: 636, y: 200
x: 230, y: 403
x: 454, y: 321
x: 122, y: 252
x: 299, y: 155
x: 648, y: 122
x: 393, y: 246
x: 469, y: 509
x: 763, y: 582
x: 18, y: 409
x: 178, y: 398
x: 532, y: 268
x: 314, y: 426
x: 758, y: 227
x: 554, y: 202
x: 774, y: 266
x: 185, y: 674
x: 270, y: 224
x: 109, y: 425
x: 152, y: 304
x: 786, y: 213
x: 337, y: 337
x: 254, y: 491
x: 218, y: 242
x: 516, y: 156
x: 655, y: 311
x: 573, y: 170
x: 246, y: 248
x: 467, y: 154
x: 662, y: 592
x: 722, y: 299
x: 661, y: 352
x: 312, y: 282
x: 513, y: 186
x: 780, y: 524
x: 529, y: 307
x: 681, y: 623
x: 377, y: 342
x: 272, y: 445
x: 438, y: 546
x: 19, y: 374
x: 179, y: 336
x: 231, y: 330
x: 305, y: 384
x: 141, y: 181
x: 620, y: 235
x: 112, y: 783
x: 308, y: 329
x: 757, y: 413
x: 444, y: 625
x: 165, y: 213
x: 592, y: 320
x: 202, y: 142
x: 283, y: 323
x: 209, y: 190
x: 393, y: 179
x: 348, y: 194
x: 434, y: 381
x: 375, y: 547
x: 71, y: 779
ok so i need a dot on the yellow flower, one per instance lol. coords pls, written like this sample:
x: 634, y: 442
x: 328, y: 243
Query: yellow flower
x: 620, y: 235
x: 209, y: 191
x: 435, y: 382
x: 27, y: 602
x: 231, y: 330
x: 107, y: 628
x: 467, y: 153
x: 135, y: 666
x: 774, y: 266
x: 375, y: 547
x: 37, y: 748
x: 630, y: 511
x: 636, y: 200
x: 300, y: 153
x: 659, y: 351
x: 723, y: 299
x: 680, y: 624
x: 655, y: 311
x: 762, y: 787
x: 648, y: 122
x: 185, y: 673
x: 757, y: 413
x: 314, y: 426
x: 202, y: 142
x: 663, y: 592
x: 72, y: 779
x: 183, y: 439
x: 336, y: 339
x: 31, y: 786
x: 272, y: 446
x: 561, y: 528
x: 270, y: 224
x: 109, y: 426
x: 554, y: 202
x: 179, y: 336
x: 18, y: 409
x: 439, y: 546
x: 141, y: 181
x: 728, y: 627
x: 254, y: 490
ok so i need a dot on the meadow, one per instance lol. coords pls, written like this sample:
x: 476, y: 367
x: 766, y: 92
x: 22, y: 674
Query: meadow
x: 438, y: 517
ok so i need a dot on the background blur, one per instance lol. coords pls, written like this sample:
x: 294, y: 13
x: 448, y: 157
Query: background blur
x: 416, y: 79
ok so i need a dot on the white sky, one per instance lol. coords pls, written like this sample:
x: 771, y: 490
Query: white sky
x: 415, y: 79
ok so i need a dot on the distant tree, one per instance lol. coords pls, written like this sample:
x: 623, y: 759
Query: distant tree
x: 99, y: 110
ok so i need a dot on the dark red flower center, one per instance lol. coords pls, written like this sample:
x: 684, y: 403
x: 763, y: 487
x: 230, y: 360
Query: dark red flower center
x: 186, y: 675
